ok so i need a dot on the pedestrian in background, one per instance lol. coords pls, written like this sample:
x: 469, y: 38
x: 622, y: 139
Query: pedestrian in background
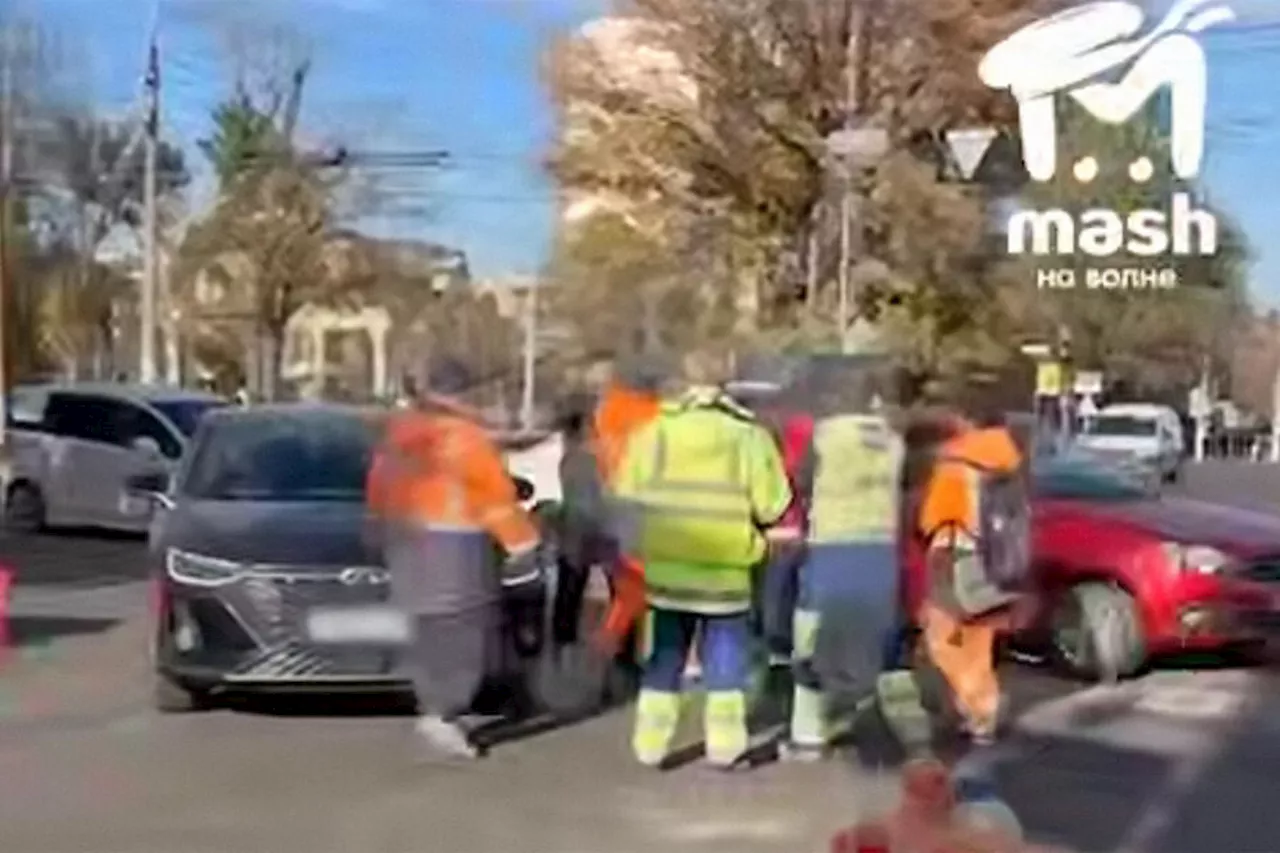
x: 442, y: 496
x: 696, y: 488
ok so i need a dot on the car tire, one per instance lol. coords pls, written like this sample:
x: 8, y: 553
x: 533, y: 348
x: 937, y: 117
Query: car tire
x: 170, y: 696
x: 24, y: 509
x: 1097, y: 634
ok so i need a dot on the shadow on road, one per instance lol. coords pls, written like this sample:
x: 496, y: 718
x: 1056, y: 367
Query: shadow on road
x: 1077, y: 794
x: 74, y: 558
x: 34, y: 631
x: 312, y: 705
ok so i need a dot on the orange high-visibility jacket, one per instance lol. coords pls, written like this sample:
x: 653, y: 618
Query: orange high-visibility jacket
x: 443, y: 472
x: 950, y: 499
x: 621, y: 412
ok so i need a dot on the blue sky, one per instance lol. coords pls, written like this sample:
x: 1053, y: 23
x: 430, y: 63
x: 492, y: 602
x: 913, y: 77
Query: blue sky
x: 462, y: 75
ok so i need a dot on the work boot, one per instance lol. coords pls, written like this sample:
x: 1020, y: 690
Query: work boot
x: 445, y: 739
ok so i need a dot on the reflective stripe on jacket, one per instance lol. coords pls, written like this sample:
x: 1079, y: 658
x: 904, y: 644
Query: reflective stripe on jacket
x: 857, y: 463
x: 438, y: 484
x: 695, y: 487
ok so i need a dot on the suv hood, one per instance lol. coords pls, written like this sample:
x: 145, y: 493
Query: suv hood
x: 1239, y: 532
x: 322, y: 533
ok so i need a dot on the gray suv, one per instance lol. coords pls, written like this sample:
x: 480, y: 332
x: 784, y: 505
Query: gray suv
x: 74, y: 447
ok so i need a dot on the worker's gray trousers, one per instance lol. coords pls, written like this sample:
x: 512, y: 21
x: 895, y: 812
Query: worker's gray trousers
x: 451, y: 656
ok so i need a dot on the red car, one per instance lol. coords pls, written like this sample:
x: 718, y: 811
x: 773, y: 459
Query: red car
x: 1146, y: 574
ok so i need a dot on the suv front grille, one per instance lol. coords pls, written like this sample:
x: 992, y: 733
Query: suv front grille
x: 281, y: 601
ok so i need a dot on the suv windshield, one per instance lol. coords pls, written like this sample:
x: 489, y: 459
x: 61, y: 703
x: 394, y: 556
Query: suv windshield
x: 1121, y: 426
x: 1080, y: 481
x: 277, y: 456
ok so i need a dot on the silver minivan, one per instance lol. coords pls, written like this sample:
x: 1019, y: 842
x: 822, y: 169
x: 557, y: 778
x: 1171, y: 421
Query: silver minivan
x: 74, y: 446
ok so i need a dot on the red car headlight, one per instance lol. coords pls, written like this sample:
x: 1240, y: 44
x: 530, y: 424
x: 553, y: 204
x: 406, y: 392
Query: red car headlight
x: 1197, y: 559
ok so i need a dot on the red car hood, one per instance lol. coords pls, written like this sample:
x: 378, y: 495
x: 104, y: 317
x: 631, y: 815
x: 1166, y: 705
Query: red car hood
x: 1239, y: 532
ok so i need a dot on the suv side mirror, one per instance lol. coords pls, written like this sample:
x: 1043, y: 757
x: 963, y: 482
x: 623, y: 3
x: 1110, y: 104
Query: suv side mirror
x: 150, y: 485
x: 524, y: 488
x: 147, y: 446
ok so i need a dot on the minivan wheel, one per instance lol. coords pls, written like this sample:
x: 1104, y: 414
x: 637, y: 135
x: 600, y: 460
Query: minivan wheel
x: 24, y: 510
x: 1097, y: 634
x: 172, y: 697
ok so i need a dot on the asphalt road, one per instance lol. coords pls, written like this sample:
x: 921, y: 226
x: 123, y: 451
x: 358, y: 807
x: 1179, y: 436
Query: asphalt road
x: 1181, y: 761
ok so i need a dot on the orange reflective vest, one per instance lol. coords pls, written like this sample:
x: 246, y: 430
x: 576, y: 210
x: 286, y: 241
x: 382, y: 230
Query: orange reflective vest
x: 441, y: 471
x: 950, y: 498
x: 621, y: 412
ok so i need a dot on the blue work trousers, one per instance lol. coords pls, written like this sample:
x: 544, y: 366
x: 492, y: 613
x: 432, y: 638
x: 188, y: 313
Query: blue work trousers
x: 778, y: 594
x: 850, y: 589
x: 724, y: 649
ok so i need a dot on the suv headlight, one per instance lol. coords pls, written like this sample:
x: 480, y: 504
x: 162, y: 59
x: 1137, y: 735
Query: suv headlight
x: 1199, y: 559
x: 199, y: 570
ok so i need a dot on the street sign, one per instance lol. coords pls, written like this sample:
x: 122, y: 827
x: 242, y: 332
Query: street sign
x: 1088, y: 408
x: 1036, y: 350
x: 859, y: 147
x: 1088, y: 382
x: 1049, y: 379
x: 968, y: 148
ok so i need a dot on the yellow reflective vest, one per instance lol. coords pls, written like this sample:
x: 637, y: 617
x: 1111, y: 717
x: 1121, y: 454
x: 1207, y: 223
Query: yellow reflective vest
x: 857, y: 465
x: 696, y: 487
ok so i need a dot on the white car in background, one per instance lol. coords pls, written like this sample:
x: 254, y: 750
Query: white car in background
x: 75, y: 446
x: 1142, y: 436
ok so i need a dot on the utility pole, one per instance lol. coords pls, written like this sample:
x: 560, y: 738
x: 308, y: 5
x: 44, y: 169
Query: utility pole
x: 150, y: 242
x: 7, y: 129
x: 530, y: 355
x: 856, y: 53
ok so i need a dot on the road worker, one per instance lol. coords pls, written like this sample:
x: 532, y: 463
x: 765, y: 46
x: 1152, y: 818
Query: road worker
x: 696, y: 489
x: 974, y: 517
x: 794, y: 432
x: 582, y: 525
x: 629, y: 402
x: 779, y: 407
x: 444, y: 499
x: 847, y: 602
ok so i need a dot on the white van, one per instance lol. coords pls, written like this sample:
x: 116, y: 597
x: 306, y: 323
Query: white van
x: 74, y: 446
x: 1146, y: 433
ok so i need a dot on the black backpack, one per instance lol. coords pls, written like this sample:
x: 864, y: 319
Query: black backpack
x: 1003, y: 539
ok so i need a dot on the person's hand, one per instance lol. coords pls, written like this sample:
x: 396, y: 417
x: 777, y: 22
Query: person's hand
x: 521, y: 570
x: 604, y: 642
x: 1024, y: 613
x: 785, y: 542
